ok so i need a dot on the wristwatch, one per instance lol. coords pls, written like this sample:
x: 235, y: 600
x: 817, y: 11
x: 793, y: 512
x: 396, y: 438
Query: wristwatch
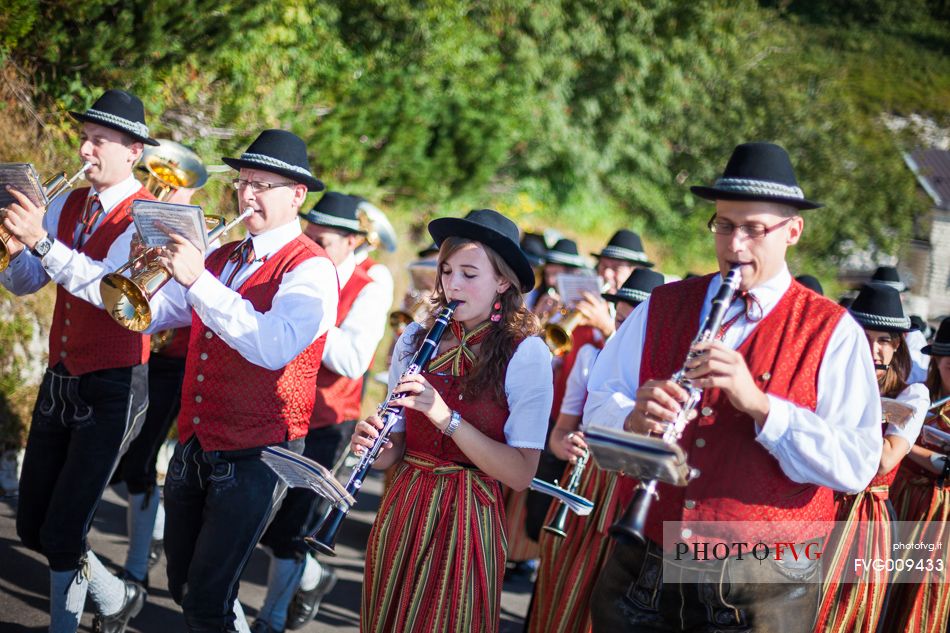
x: 41, y: 248
x: 454, y: 423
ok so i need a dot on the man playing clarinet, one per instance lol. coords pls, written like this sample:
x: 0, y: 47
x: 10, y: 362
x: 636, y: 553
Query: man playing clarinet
x: 790, y: 412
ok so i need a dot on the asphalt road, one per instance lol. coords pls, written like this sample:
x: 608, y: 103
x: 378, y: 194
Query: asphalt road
x: 24, y: 579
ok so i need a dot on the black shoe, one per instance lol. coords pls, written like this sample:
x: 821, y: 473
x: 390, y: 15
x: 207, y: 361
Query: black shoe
x: 304, y: 605
x: 155, y: 550
x: 116, y: 623
x: 125, y: 575
x: 260, y: 626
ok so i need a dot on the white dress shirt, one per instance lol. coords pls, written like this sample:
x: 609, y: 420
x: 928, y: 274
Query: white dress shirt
x: 349, y: 349
x: 837, y: 446
x: 917, y: 396
x: 920, y: 362
x: 381, y: 275
x: 529, y: 387
x: 303, y: 308
x: 575, y: 391
x: 77, y: 273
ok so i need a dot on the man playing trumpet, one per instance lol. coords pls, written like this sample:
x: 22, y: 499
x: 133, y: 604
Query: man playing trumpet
x: 93, y: 396
x: 259, y: 311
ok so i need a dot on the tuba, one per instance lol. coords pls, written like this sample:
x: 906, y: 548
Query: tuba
x: 51, y: 188
x: 171, y: 166
x: 126, y: 299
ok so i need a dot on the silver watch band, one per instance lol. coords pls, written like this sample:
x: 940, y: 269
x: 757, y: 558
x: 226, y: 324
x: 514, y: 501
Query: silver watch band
x: 454, y: 423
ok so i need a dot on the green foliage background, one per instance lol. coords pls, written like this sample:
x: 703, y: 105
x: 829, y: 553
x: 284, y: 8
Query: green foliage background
x: 584, y: 115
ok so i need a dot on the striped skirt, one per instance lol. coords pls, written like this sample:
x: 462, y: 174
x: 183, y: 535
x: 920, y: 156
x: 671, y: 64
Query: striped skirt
x: 436, y: 555
x: 921, y: 607
x: 521, y: 547
x: 570, y: 564
x: 857, y: 607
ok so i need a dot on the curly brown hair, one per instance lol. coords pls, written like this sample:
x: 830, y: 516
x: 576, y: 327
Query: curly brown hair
x: 494, y: 353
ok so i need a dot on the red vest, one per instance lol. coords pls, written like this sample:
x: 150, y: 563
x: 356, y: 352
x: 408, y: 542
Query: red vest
x: 581, y: 336
x: 84, y: 337
x: 484, y: 414
x: 366, y: 264
x: 178, y: 346
x: 231, y: 403
x: 739, y: 480
x: 338, y: 397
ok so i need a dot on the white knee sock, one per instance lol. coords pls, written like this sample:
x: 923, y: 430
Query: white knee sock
x: 67, y: 595
x: 107, y: 591
x: 140, y: 520
x: 158, y: 531
x: 240, y: 621
x: 311, y: 574
x: 283, y: 579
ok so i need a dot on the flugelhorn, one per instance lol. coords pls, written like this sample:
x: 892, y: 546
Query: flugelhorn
x: 557, y: 524
x: 170, y: 166
x: 323, y: 538
x: 51, y: 188
x: 631, y: 524
x: 126, y: 299
x: 559, y: 328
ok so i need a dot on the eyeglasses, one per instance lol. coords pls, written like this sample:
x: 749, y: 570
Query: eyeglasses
x: 257, y: 186
x: 752, y: 231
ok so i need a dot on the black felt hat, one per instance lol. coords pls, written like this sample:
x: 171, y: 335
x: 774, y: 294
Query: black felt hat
x: 626, y: 245
x: 534, y: 247
x: 941, y: 344
x: 336, y: 210
x: 811, y: 283
x: 278, y: 152
x: 119, y: 110
x: 878, y: 307
x: 758, y: 171
x: 565, y: 253
x: 889, y: 276
x: 637, y: 287
x: 428, y: 251
x: 493, y: 230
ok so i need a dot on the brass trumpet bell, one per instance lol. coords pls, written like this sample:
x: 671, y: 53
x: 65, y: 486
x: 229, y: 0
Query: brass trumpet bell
x: 126, y: 299
x: 558, y: 330
x: 170, y: 166
x: 379, y: 232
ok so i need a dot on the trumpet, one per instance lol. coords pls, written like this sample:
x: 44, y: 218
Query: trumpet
x: 51, y: 188
x: 633, y: 521
x: 323, y: 538
x: 126, y: 299
x: 559, y: 328
x: 171, y: 166
x: 557, y: 524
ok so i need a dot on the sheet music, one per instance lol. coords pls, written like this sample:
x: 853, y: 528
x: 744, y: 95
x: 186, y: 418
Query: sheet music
x: 299, y: 472
x: 23, y: 178
x: 571, y: 287
x: 186, y: 220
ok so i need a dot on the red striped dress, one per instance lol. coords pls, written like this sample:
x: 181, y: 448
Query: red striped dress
x: 436, y: 556
x: 570, y: 564
x: 922, y: 607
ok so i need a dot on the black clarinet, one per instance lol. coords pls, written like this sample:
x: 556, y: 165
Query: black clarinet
x: 630, y: 526
x: 323, y: 538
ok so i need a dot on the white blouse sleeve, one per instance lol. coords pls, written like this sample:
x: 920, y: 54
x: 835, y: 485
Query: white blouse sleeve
x: 402, y: 355
x: 575, y: 392
x: 917, y: 396
x: 529, y: 387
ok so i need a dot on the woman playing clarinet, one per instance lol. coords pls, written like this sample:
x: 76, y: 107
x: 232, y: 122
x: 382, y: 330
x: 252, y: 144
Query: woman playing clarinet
x: 920, y: 497
x: 475, y: 418
x: 866, y: 517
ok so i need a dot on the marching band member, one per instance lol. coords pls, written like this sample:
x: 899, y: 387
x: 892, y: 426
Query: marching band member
x: 789, y: 412
x: 351, y: 342
x: 474, y: 419
x: 889, y: 276
x: 847, y: 606
x: 570, y: 564
x: 920, y: 496
x: 93, y: 396
x: 259, y: 311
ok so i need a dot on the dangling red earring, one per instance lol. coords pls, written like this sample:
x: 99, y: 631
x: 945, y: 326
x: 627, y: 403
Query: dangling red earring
x: 496, y: 312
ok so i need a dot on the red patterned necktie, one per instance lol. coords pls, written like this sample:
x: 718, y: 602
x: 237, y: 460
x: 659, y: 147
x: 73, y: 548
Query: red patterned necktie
x: 243, y: 254
x: 748, y: 299
x: 90, y: 215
